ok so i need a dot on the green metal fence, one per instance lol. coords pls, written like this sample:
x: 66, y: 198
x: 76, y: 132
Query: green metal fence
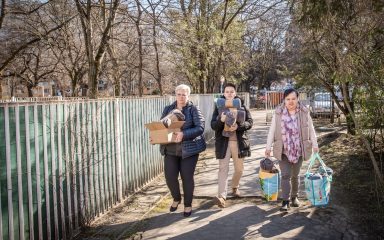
x: 64, y: 163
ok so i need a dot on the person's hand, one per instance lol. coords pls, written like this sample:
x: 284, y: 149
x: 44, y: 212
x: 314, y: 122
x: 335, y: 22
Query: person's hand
x: 151, y: 140
x: 179, y: 136
x: 315, y: 150
x: 222, y: 118
x: 267, y: 153
x: 233, y: 128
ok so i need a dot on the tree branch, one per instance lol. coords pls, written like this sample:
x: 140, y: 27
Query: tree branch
x: 32, y: 41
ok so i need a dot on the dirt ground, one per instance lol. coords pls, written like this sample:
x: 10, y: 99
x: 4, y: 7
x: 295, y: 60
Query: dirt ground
x: 354, y: 188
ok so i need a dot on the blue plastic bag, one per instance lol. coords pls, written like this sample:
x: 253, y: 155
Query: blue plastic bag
x: 318, y: 183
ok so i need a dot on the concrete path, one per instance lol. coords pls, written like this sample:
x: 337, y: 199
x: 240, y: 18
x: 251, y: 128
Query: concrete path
x: 146, y: 214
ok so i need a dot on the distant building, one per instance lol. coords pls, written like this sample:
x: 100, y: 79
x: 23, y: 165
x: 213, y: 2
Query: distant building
x: 4, y: 91
x: 44, y: 89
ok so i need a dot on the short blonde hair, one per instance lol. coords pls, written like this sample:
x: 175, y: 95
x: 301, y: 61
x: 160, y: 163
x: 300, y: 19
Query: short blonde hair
x: 183, y: 87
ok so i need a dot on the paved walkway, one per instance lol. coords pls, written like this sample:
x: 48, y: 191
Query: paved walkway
x: 249, y: 217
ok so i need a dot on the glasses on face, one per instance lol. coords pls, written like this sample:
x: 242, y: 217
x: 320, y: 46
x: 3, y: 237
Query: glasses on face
x: 181, y: 95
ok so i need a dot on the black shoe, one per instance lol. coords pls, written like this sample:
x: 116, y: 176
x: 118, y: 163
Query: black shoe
x: 285, y: 206
x: 187, y: 214
x: 172, y: 209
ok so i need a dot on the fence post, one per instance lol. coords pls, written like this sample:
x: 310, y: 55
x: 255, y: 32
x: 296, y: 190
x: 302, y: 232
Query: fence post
x: 117, y: 152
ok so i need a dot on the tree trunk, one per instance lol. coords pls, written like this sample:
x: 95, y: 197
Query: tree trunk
x: 30, y: 85
x: 203, y: 71
x: 95, y: 58
x: 30, y: 94
x: 349, y: 107
x: 202, y: 38
x: 157, y: 57
x: 115, y: 71
x: 139, y: 35
x: 92, y: 80
x: 73, y: 84
x: 351, y: 127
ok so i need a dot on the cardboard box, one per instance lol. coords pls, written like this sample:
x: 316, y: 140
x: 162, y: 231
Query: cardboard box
x: 162, y: 135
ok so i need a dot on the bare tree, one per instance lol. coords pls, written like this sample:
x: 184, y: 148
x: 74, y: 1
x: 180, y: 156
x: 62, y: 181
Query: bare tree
x: 265, y: 40
x: 95, y: 41
x: 140, y: 46
x: 21, y: 28
x: 155, y: 16
x: 35, y: 68
x: 70, y: 53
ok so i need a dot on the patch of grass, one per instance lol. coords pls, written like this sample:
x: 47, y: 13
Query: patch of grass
x: 354, y: 186
x: 163, y: 205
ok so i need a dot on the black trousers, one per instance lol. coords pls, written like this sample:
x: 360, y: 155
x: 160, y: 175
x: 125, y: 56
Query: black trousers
x: 173, y: 165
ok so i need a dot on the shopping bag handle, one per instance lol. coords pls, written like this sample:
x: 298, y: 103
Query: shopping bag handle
x: 312, y: 161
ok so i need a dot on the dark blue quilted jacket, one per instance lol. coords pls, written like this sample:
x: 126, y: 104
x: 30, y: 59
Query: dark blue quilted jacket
x: 193, y: 129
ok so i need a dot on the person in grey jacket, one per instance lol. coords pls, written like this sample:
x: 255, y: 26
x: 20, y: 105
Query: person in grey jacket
x: 294, y: 139
x: 181, y: 157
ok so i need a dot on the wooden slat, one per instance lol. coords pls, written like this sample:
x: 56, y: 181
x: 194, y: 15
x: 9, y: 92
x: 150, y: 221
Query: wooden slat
x: 46, y: 175
x: 132, y: 150
x: 117, y: 153
x: 54, y: 168
x: 91, y: 160
x: 100, y: 175
x: 29, y: 174
x: 105, y: 157
x: 11, y: 234
x: 125, y: 149
x: 113, y: 147
x: 95, y: 165
x: 80, y: 133
x: 38, y: 181
x: 75, y: 152
x: 19, y: 173
x: 109, y: 157
x: 59, y: 119
x: 68, y: 167
x: 85, y: 160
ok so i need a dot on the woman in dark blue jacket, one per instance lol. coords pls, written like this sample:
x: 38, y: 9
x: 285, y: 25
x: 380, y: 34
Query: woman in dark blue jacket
x: 181, y: 156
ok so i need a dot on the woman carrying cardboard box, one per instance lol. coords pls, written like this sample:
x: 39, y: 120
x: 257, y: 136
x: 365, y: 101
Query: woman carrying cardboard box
x: 180, y: 156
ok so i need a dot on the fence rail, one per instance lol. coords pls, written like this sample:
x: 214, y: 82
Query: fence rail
x: 64, y: 163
